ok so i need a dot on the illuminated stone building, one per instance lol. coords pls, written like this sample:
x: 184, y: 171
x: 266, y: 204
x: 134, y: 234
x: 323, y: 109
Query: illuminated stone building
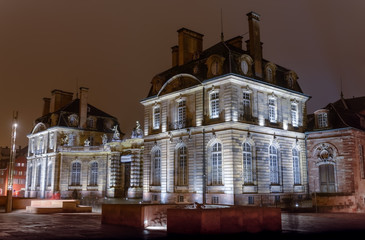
x: 336, y: 163
x: 75, y: 148
x: 224, y: 125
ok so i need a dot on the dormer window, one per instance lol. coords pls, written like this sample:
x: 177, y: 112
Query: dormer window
x: 270, y: 70
x: 244, y: 67
x: 291, y: 77
x: 73, y: 120
x: 245, y: 63
x: 322, y: 120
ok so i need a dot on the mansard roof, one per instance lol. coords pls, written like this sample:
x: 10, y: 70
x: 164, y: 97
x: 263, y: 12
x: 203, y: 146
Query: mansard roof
x: 231, y: 64
x: 74, y: 108
x: 343, y: 113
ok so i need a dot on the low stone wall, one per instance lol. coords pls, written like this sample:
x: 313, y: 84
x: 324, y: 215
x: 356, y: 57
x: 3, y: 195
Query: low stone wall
x: 335, y: 203
x: 18, y: 203
x: 223, y: 220
x: 182, y: 219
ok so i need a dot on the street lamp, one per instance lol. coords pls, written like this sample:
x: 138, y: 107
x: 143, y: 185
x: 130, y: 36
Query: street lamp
x: 9, y: 194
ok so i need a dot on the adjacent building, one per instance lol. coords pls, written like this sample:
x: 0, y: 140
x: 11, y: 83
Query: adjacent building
x: 336, y: 163
x: 224, y: 125
x: 75, y: 150
x: 19, y: 171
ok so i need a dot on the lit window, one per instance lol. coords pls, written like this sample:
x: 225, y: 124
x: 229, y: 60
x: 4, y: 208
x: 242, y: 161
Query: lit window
x: 39, y: 171
x: 272, y: 110
x: 247, y: 164
x: 30, y: 176
x: 76, y: 174
x: 214, y: 105
x: 274, y: 165
x: 156, y: 117
x: 94, y: 174
x: 181, y: 114
x: 296, y: 167
x: 246, y: 101
x: 182, y: 167
x: 216, y: 164
x: 294, y: 114
x: 156, y: 168
x: 322, y: 120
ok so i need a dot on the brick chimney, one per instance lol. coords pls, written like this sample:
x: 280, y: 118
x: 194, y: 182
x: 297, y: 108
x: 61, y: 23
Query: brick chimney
x: 83, y: 106
x: 190, y: 44
x: 254, y: 44
x: 46, y: 106
x: 175, y: 55
x: 60, y: 99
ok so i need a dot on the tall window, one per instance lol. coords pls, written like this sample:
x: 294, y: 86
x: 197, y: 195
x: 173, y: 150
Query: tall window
x: 327, y: 178
x: 296, y: 167
x: 39, y: 172
x: 322, y: 120
x: 214, y: 105
x: 362, y: 161
x: 294, y: 114
x: 76, y: 174
x: 216, y: 164
x: 49, y: 174
x: 30, y: 176
x: 272, y: 110
x: 182, y: 167
x: 274, y: 165
x: 156, y: 117
x: 156, y: 168
x: 247, y: 164
x: 93, y: 174
x: 181, y: 114
x: 246, y: 101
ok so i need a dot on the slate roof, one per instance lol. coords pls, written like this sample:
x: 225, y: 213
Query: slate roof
x: 74, y: 108
x: 231, y: 65
x: 343, y: 113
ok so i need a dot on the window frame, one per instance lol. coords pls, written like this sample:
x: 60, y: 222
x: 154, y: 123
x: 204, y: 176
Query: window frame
x: 75, y: 174
x: 156, y: 169
x: 274, y: 165
x: 214, y: 101
x: 247, y: 164
x: 216, y: 164
x: 156, y: 117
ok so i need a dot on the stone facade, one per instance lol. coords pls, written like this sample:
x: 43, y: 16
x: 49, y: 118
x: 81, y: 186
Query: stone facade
x: 218, y: 130
x: 76, y: 150
x: 336, y: 164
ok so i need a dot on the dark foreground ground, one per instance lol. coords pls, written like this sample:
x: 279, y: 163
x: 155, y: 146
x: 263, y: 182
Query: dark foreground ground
x: 25, y: 226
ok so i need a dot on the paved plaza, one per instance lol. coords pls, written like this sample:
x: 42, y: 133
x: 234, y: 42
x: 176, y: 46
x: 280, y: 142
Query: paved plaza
x: 25, y: 226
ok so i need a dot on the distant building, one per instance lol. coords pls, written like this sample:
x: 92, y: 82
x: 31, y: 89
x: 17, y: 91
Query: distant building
x: 19, y: 172
x: 224, y: 126
x: 336, y: 162
x: 76, y: 150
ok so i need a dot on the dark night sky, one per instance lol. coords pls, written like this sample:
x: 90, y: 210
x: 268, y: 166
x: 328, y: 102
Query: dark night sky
x: 115, y: 48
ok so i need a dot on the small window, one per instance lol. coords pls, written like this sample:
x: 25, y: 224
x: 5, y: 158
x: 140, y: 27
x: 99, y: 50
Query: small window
x: 215, y: 68
x: 244, y: 67
x: 277, y: 198
x: 215, y: 200
x: 154, y: 197
x: 269, y: 74
x: 180, y: 199
x: 251, y: 200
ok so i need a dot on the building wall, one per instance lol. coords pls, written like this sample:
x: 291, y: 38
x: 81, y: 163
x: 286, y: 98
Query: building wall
x: 348, y: 161
x: 231, y: 130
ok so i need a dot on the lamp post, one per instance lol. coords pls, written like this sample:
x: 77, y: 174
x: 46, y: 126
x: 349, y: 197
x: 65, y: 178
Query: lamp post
x: 9, y: 194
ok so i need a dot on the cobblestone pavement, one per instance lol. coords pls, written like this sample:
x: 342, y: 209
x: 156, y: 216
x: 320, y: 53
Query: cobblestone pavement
x: 26, y: 226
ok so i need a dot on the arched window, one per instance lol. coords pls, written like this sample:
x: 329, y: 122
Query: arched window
x: 296, y: 167
x: 182, y: 167
x: 76, y: 174
x: 274, y: 165
x: 247, y: 164
x: 269, y: 74
x: 216, y: 164
x: 93, y: 174
x: 156, y: 168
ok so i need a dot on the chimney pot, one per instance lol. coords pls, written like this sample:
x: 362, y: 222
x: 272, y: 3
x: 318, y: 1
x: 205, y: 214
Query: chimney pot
x: 190, y: 44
